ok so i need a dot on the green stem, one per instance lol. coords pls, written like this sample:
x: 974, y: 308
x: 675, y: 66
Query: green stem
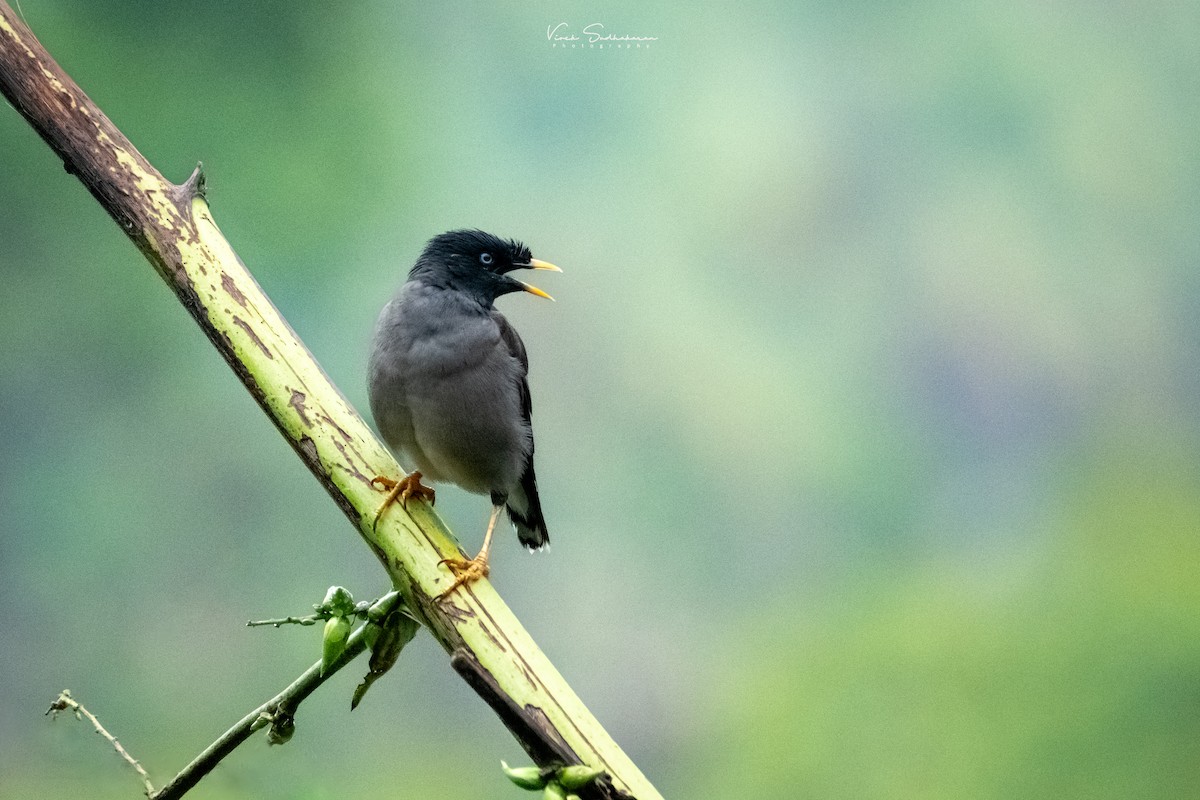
x: 277, y: 711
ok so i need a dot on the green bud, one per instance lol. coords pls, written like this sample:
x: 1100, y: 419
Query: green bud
x: 333, y: 643
x: 338, y: 601
x: 371, y: 633
x: 554, y: 791
x: 578, y: 776
x: 383, y: 606
x: 525, y: 777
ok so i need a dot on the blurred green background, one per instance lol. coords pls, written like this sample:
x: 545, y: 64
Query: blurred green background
x: 868, y: 414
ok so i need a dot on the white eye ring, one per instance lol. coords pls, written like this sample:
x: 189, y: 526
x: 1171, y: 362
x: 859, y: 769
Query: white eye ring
x: 485, y: 259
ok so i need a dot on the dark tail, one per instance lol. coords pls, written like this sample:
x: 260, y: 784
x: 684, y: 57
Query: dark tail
x: 525, y: 511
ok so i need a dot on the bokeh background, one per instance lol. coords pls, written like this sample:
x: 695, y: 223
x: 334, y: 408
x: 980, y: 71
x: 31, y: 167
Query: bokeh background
x: 867, y: 415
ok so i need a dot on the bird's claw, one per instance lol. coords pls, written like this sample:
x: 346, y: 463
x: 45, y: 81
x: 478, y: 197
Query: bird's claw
x: 466, y: 570
x: 407, y: 487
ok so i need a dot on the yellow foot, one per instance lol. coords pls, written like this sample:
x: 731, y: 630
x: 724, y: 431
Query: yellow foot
x: 408, y: 486
x: 465, y: 571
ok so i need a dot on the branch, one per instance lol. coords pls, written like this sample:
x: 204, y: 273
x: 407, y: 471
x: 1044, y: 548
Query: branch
x: 387, y: 630
x: 174, y: 229
x: 278, y: 712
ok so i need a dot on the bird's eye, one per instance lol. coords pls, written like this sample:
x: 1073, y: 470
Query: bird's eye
x: 486, y: 259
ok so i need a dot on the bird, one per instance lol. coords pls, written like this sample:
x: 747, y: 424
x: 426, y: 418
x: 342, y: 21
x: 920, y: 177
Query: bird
x: 448, y: 387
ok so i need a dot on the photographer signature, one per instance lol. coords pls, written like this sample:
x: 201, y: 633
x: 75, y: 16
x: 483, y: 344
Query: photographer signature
x: 594, y: 33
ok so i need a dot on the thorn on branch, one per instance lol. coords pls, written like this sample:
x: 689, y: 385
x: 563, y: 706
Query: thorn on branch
x: 196, y: 185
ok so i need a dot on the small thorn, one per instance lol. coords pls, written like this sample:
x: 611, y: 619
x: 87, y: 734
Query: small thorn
x: 196, y: 184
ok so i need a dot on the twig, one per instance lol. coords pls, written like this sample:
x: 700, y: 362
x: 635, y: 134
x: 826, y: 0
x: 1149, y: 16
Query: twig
x: 311, y: 619
x: 278, y: 712
x: 64, y: 702
x: 360, y: 611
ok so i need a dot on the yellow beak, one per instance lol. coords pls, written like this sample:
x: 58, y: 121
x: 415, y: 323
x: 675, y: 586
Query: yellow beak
x: 535, y: 263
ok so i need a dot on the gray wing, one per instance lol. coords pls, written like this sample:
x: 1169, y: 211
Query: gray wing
x: 523, y: 504
x: 512, y: 340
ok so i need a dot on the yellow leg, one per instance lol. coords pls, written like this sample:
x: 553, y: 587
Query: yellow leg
x: 408, y: 486
x: 467, y: 570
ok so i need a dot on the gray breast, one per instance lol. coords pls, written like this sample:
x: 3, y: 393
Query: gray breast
x: 445, y: 390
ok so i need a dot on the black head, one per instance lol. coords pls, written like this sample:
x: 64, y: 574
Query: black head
x: 476, y: 263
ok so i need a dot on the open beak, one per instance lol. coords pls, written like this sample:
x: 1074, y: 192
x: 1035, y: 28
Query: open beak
x: 535, y: 263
